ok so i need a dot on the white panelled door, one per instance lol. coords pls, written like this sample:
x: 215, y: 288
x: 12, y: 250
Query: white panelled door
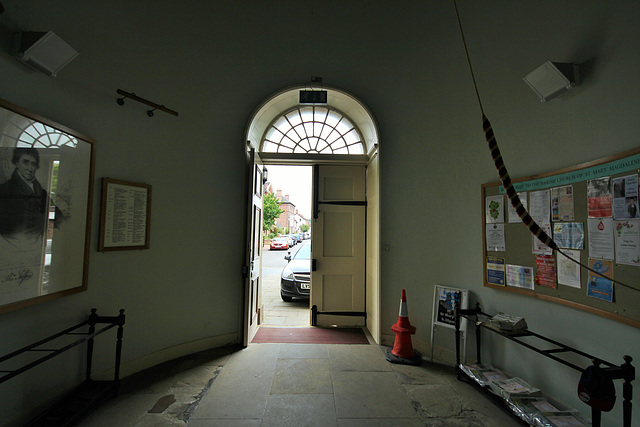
x: 338, y: 246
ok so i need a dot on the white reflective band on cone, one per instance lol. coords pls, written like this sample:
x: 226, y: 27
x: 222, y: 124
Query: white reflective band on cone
x: 403, y: 310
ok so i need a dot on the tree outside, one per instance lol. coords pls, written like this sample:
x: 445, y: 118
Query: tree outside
x: 271, y: 211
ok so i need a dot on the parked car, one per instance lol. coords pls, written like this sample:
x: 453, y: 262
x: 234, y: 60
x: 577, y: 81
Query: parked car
x: 292, y: 240
x: 295, y: 280
x: 279, y: 243
x: 299, y: 237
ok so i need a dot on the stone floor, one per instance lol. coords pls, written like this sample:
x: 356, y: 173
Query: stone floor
x: 297, y: 385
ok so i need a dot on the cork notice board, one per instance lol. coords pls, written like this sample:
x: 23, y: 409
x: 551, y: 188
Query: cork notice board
x: 509, y: 260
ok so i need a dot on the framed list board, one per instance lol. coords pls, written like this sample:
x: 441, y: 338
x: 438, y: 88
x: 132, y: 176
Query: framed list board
x: 124, y: 216
x: 591, y: 211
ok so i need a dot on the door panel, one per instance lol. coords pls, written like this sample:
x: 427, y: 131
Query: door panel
x: 338, y: 246
x: 253, y: 258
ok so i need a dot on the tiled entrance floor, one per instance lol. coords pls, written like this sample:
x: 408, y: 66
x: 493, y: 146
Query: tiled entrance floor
x: 297, y: 385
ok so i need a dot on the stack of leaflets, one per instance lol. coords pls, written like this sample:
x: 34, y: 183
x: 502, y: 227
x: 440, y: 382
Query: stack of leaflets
x: 561, y: 419
x: 514, y: 387
x: 508, y: 324
x: 483, y: 374
x: 540, y: 412
x: 526, y: 408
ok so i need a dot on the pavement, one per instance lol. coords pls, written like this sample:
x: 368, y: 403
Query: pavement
x: 276, y: 311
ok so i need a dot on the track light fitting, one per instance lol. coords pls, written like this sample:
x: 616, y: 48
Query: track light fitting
x: 153, y: 105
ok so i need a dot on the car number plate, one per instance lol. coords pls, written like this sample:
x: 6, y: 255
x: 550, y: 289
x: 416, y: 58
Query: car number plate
x: 305, y: 286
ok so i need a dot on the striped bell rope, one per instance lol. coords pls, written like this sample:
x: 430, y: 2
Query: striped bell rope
x: 508, y: 187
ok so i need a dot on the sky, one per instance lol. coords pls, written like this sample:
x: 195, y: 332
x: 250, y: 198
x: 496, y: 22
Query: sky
x: 294, y: 181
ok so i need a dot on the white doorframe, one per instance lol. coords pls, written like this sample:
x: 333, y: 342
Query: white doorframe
x: 349, y: 104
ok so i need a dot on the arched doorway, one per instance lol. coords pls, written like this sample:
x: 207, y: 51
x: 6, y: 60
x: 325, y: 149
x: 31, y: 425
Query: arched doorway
x: 339, y: 137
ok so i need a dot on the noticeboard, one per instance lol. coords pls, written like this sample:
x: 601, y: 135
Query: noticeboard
x: 591, y: 213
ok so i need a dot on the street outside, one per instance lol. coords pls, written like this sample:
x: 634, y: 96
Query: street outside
x: 276, y: 311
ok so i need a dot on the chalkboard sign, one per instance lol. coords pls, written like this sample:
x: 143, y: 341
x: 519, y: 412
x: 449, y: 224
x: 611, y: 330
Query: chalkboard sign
x: 590, y: 211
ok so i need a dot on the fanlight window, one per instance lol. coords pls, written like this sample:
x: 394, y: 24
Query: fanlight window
x: 313, y: 130
x: 38, y: 135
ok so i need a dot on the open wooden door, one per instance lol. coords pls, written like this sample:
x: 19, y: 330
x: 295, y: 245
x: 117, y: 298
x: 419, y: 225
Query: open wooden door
x: 253, y: 259
x: 338, y: 246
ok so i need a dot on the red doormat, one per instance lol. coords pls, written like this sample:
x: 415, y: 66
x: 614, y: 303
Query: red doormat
x: 310, y: 336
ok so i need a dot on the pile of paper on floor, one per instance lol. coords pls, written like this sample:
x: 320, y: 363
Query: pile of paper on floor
x: 514, y: 387
x: 525, y: 401
x: 541, y: 412
x: 483, y: 374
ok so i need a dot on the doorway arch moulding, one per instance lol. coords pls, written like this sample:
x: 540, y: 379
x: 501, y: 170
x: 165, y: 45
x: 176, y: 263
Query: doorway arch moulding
x: 339, y: 99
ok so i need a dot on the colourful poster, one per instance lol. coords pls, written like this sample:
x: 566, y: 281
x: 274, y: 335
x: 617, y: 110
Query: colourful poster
x: 600, y: 284
x: 520, y: 276
x: 569, y: 235
x: 562, y: 203
x: 546, y: 271
x: 599, y: 198
x: 495, y: 271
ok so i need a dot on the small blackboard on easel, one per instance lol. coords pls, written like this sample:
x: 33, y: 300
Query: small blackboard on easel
x: 445, y: 299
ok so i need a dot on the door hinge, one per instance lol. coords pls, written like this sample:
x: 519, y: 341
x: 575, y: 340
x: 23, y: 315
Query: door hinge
x: 314, y: 265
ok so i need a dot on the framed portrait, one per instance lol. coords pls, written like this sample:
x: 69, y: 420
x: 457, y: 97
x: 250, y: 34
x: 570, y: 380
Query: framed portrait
x: 124, y: 217
x: 46, y: 183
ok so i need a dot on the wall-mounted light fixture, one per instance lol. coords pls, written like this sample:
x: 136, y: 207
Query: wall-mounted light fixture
x: 44, y: 52
x: 552, y: 79
x: 153, y: 105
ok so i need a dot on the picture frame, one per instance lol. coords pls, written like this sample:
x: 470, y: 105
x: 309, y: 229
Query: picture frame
x: 125, y: 215
x: 46, y: 197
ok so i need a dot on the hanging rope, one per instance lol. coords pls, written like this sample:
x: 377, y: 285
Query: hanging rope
x: 531, y: 224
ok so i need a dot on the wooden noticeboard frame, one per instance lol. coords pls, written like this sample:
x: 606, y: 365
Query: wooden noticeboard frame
x: 124, y: 215
x: 518, y: 240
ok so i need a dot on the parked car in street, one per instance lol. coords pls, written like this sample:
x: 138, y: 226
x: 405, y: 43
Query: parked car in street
x: 295, y: 280
x: 292, y: 240
x: 279, y: 243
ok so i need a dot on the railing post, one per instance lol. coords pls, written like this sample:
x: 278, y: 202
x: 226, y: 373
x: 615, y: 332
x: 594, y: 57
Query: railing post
x: 627, y: 389
x: 120, y: 322
x: 93, y: 317
x: 456, y: 313
x: 478, y: 337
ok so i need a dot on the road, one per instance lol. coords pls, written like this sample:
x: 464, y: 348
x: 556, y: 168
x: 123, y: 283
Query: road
x: 278, y: 312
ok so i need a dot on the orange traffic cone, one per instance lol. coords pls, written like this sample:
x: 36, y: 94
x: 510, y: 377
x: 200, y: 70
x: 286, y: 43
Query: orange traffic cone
x: 402, y: 348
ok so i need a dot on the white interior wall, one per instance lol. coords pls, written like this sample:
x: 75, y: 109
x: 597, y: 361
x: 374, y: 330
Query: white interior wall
x: 214, y: 62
